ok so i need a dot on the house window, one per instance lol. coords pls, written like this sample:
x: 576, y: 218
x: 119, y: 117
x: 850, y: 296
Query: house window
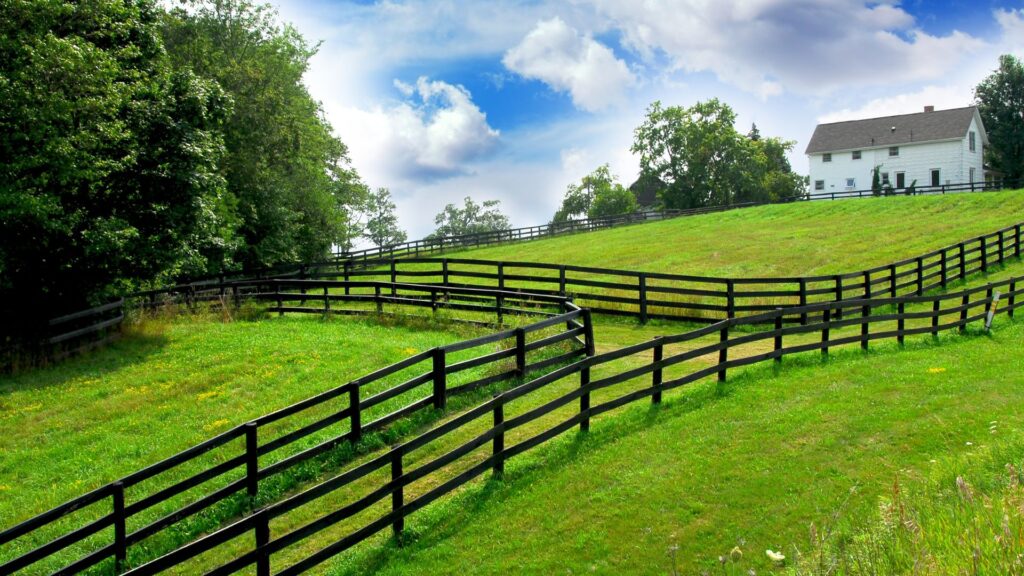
x: 894, y: 150
x: 936, y: 181
x: 819, y: 184
x: 850, y: 183
x: 826, y: 157
x: 971, y: 174
x: 970, y: 140
x: 901, y: 180
x: 856, y: 154
x: 885, y: 177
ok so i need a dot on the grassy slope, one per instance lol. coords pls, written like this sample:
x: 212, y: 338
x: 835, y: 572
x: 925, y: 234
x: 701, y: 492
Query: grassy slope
x: 170, y: 384
x: 780, y: 240
x: 706, y: 471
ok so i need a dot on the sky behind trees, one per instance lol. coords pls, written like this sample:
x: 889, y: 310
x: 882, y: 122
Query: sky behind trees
x: 515, y: 100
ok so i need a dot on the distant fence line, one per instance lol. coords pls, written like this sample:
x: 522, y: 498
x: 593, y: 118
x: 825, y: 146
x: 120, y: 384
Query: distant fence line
x: 643, y: 295
x: 428, y: 389
x: 946, y: 312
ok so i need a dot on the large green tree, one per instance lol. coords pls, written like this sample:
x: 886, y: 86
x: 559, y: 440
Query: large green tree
x: 704, y: 161
x: 108, y: 157
x: 288, y: 175
x: 1000, y: 99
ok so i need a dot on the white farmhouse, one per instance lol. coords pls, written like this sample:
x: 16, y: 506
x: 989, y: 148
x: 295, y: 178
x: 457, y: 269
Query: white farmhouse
x: 930, y: 148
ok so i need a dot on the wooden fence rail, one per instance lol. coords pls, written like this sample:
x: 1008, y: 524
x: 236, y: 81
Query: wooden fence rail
x: 703, y: 299
x: 327, y: 420
x: 929, y: 315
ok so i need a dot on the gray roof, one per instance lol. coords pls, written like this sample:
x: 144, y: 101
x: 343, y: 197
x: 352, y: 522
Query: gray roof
x: 876, y: 132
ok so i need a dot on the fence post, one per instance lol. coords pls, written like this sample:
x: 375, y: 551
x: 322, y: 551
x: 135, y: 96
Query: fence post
x: 397, y: 492
x: 839, y: 294
x: 723, y: 354
x: 327, y: 300
x: 520, y: 335
x: 588, y: 332
x: 643, y: 297
x: 585, y: 399
x: 252, y: 478
x: 440, y: 379
x: 1011, y: 298
x: 499, y: 302
x: 120, y: 531
x: 302, y: 286
x: 935, y: 317
x: 892, y: 280
x: 501, y: 275
x: 730, y: 299
x: 345, y: 272
x: 803, y: 301
x: 377, y: 299
x: 262, y: 530
x: 1016, y: 243
x: 498, y: 445
x: 867, y: 285
x: 778, y: 335
x: 280, y: 298
x: 444, y: 271
x: 920, y: 276
x: 826, y: 323
x: 355, y: 416
x: 1002, y: 243
x: 900, y: 322
x: 964, y: 302
x: 561, y: 280
x: 943, y: 267
x: 394, y: 277
x: 865, y: 326
x: 984, y: 254
x: 656, y: 376
x: 963, y: 262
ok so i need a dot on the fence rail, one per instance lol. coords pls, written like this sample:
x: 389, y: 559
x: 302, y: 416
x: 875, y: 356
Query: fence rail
x: 342, y: 414
x: 498, y: 417
x: 702, y: 299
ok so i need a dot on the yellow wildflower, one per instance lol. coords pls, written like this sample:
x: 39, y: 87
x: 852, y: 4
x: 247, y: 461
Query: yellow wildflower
x: 409, y: 350
x: 206, y: 395
x: 215, y: 424
x: 936, y: 370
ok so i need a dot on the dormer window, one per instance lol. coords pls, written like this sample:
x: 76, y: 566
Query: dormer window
x: 856, y: 154
x: 970, y: 140
x: 826, y: 157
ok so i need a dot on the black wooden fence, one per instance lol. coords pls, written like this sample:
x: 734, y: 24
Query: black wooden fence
x: 837, y: 324
x: 699, y: 298
x: 337, y: 416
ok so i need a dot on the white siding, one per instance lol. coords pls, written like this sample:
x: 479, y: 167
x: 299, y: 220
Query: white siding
x: 952, y: 158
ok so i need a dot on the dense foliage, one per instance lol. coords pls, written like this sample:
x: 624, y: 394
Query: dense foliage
x: 109, y: 156
x: 472, y: 218
x: 1000, y: 99
x: 597, y: 194
x: 704, y: 161
x: 139, y: 144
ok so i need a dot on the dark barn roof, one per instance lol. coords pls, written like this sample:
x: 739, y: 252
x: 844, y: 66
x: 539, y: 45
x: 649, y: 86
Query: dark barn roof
x: 875, y: 132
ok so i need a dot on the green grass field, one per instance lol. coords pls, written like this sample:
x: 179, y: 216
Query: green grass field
x: 779, y: 240
x: 751, y: 465
x: 755, y: 461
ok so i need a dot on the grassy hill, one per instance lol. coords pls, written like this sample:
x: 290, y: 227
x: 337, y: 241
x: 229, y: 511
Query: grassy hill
x: 754, y: 461
x: 751, y: 465
x: 779, y: 240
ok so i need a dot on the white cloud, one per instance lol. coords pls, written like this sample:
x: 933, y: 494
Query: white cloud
x: 804, y: 46
x: 570, y: 62
x: 435, y: 133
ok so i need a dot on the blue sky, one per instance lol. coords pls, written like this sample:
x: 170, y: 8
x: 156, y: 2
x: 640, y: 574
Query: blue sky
x: 513, y: 100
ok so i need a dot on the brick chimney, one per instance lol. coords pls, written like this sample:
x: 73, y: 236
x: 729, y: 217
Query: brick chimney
x: 929, y: 108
